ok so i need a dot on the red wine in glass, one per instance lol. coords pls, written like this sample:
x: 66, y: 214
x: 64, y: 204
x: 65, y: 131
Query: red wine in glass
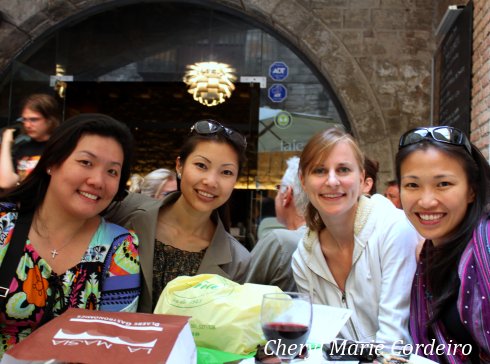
x: 286, y: 339
x: 286, y: 321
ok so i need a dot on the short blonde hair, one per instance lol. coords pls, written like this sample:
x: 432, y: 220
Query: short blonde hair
x: 317, y: 149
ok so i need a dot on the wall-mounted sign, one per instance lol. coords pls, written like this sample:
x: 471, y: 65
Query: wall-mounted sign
x: 283, y: 120
x: 278, y: 71
x: 262, y: 80
x: 277, y: 92
x: 452, y: 79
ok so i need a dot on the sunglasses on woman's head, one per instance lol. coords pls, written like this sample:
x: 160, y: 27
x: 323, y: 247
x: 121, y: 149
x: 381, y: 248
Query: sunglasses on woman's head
x: 212, y: 127
x: 443, y: 134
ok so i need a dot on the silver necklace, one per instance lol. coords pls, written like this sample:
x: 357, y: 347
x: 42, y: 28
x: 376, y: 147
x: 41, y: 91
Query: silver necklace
x: 55, y: 252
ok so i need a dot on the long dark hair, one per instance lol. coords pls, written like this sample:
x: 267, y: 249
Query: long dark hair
x: 441, y: 268
x: 190, y: 145
x: 31, y: 192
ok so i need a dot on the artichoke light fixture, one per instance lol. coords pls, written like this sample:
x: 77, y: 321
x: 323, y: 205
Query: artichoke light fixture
x: 210, y: 83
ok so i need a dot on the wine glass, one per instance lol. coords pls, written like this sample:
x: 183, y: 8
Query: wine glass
x: 286, y: 322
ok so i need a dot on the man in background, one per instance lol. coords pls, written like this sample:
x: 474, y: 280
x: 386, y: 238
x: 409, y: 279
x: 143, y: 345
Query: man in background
x: 19, y: 155
x: 271, y: 256
x: 392, y: 193
x: 268, y: 217
x: 371, y: 168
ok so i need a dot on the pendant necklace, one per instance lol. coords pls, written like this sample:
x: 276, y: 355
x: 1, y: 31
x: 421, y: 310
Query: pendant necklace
x: 55, y: 252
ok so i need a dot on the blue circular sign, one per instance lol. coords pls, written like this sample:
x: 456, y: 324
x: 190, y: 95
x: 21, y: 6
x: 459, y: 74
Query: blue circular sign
x: 278, y: 71
x: 277, y: 92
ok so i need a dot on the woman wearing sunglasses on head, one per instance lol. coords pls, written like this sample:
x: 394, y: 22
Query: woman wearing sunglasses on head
x: 445, y: 193
x: 40, y: 116
x: 359, y: 251
x: 185, y: 233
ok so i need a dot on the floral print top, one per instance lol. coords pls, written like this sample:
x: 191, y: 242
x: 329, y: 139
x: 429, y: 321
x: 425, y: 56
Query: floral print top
x: 107, y: 278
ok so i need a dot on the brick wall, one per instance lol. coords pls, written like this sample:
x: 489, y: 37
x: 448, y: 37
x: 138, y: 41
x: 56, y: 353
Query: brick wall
x: 480, y: 114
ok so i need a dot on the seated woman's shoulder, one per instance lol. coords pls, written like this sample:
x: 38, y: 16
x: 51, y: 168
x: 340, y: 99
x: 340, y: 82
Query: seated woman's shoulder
x: 8, y: 212
x: 133, y: 204
x: 386, y: 207
x: 238, y: 247
x: 6, y: 207
x: 8, y: 217
x: 112, y: 228
x: 139, y: 199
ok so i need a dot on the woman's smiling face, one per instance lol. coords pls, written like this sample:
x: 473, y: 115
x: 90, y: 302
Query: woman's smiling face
x: 335, y: 182
x: 87, y: 181
x: 209, y: 175
x: 434, y: 193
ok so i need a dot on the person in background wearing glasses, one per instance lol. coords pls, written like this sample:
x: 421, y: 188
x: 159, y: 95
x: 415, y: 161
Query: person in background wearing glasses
x: 157, y: 184
x: 40, y: 115
x: 445, y: 193
x: 271, y: 256
x: 358, y: 251
x: 68, y: 255
x: 187, y: 232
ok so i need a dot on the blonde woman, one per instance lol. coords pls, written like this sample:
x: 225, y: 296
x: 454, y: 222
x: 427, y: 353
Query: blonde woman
x: 358, y: 252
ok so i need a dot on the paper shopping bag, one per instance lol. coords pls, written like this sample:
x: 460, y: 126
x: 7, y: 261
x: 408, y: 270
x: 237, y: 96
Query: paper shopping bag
x: 86, y: 336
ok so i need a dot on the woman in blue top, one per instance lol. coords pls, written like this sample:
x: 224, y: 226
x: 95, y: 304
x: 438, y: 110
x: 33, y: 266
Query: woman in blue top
x: 71, y: 257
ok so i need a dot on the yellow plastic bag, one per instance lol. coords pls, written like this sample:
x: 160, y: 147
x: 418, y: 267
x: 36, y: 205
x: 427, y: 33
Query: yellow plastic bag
x: 225, y: 314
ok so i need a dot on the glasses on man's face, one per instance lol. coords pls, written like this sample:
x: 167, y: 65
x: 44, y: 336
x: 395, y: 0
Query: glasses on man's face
x: 30, y: 120
x: 164, y: 194
x: 281, y: 188
x: 212, y: 127
x: 443, y: 134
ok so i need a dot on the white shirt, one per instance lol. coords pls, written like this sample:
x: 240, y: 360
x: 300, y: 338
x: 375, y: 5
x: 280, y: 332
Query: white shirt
x: 378, y: 286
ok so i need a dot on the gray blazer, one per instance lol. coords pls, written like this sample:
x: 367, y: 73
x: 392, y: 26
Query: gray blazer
x: 224, y: 256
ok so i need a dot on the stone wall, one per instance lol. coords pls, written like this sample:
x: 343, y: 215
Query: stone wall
x: 376, y: 54
x: 381, y: 68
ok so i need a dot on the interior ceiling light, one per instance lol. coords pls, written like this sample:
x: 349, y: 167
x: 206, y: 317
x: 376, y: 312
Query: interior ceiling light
x: 210, y: 83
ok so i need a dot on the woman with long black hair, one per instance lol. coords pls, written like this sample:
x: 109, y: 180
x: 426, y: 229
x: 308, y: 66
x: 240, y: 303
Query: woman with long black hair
x: 186, y: 233
x: 445, y: 193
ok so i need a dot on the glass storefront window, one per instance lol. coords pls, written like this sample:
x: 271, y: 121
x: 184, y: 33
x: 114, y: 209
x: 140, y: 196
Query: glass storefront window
x: 154, y: 42
x: 129, y: 61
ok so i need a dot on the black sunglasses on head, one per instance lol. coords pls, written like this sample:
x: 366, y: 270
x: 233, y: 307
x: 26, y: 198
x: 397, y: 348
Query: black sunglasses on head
x: 443, y: 134
x: 212, y: 127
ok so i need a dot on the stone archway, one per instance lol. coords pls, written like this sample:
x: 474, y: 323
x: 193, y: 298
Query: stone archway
x: 290, y: 19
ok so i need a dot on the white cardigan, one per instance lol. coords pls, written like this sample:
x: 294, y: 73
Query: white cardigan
x: 379, y: 283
